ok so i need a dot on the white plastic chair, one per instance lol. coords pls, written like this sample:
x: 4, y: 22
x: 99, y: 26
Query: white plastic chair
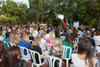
x: 52, y: 60
x: 65, y: 48
x: 33, y: 53
x: 76, y: 40
x: 26, y: 56
x: 76, y: 43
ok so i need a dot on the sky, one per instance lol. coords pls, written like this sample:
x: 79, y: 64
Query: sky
x: 22, y: 1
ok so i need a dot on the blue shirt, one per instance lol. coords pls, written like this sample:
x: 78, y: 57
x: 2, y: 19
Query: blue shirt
x: 51, y: 30
x: 63, y: 34
x: 24, y: 44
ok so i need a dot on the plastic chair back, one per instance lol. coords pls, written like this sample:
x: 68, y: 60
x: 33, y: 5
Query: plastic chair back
x: 67, y: 50
x: 53, y: 60
x: 25, y: 53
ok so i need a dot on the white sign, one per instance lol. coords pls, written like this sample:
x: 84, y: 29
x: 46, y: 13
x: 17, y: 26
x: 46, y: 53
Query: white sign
x: 76, y: 24
x: 60, y: 16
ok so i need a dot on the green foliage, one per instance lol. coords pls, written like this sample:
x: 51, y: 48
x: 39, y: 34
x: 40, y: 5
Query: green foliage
x: 44, y: 11
x: 14, y: 11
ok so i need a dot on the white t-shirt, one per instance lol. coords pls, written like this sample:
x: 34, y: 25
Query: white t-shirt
x: 43, y: 45
x: 35, y: 34
x: 47, y: 36
x: 97, y: 40
x: 80, y: 63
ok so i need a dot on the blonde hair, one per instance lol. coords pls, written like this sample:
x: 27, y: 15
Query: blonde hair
x: 33, y: 31
x: 58, y: 43
x: 24, y: 37
x: 52, y: 36
x: 36, y: 42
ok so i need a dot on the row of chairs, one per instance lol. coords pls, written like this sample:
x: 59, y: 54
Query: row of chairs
x: 28, y: 54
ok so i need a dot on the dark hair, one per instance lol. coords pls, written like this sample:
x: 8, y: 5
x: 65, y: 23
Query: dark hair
x: 69, y: 39
x: 48, y: 31
x: 84, y: 46
x: 10, y: 56
x: 7, y: 34
x: 20, y: 63
x: 2, y: 48
x: 57, y: 33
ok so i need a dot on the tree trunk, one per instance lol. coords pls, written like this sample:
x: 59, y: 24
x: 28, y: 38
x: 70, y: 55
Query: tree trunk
x: 50, y: 20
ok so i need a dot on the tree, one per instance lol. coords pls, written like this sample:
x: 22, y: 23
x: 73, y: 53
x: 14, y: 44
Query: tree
x: 14, y: 10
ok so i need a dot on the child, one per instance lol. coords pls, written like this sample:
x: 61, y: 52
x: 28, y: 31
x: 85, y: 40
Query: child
x: 57, y: 50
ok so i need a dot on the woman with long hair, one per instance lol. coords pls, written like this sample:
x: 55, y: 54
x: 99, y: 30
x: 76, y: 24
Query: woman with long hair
x: 10, y: 56
x: 35, y: 46
x: 2, y: 48
x: 50, y: 41
x: 68, y: 42
x: 84, y: 56
x: 57, y: 50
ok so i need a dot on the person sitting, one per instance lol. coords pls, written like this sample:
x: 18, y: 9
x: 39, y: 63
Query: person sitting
x: 35, y: 46
x: 50, y: 41
x: 10, y: 56
x: 31, y: 38
x: 68, y: 42
x: 24, y: 42
x: 57, y: 50
x: 84, y: 56
x: 2, y: 48
x: 43, y: 43
x: 47, y: 34
x: 7, y: 38
x: 90, y: 39
x: 63, y: 35
x: 97, y: 40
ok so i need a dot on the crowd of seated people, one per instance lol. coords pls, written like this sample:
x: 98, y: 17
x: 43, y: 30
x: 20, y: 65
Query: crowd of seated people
x: 49, y: 41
